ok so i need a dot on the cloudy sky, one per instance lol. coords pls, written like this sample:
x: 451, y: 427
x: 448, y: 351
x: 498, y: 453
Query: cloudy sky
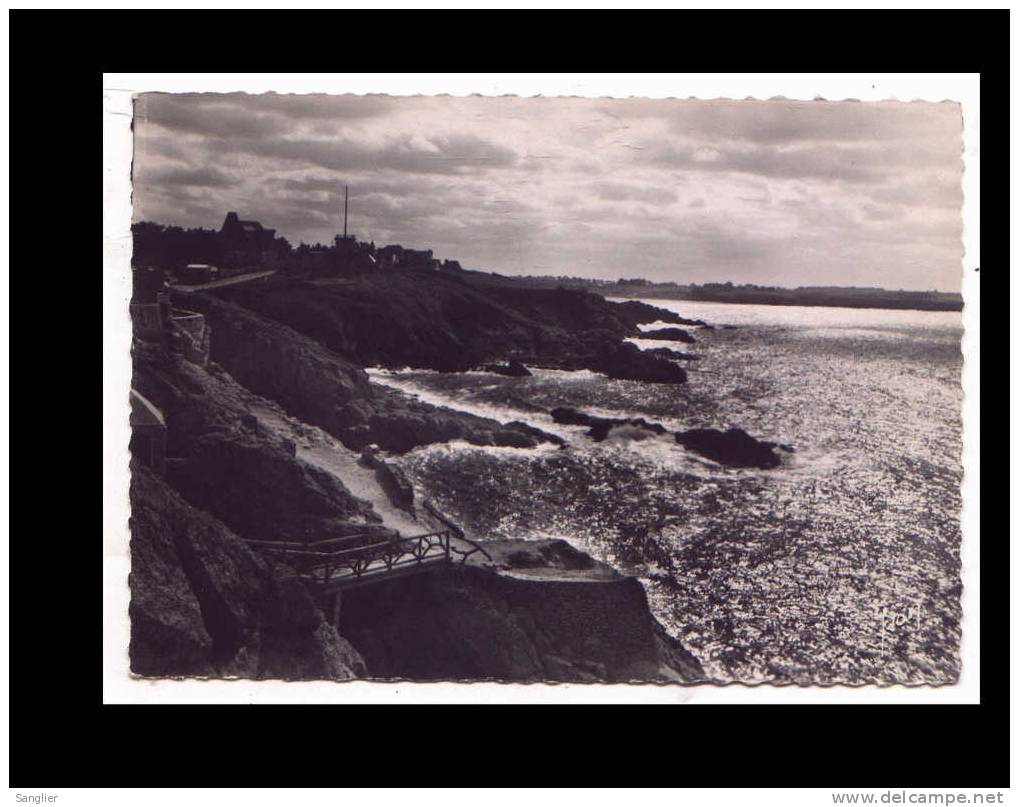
x: 769, y: 192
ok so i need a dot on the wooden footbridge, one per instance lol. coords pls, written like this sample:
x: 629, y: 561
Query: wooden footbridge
x: 339, y: 564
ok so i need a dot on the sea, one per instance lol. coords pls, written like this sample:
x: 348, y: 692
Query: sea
x: 842, y: 565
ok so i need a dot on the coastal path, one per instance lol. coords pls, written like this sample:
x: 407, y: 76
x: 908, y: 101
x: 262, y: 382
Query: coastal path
x: 227, y: 281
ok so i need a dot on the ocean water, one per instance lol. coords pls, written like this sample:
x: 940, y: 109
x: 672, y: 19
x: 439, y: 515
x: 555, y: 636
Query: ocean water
x: 840, y: 566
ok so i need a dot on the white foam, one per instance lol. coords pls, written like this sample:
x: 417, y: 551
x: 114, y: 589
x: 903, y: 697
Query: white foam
x: 502, y: 414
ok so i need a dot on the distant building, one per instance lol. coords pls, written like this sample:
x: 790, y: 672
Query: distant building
x: 246, y: 243
x: 395, y: 256
x: 389, y: 257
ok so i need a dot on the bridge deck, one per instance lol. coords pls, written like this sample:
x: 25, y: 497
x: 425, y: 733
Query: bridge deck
x: 334, y: 565
x: 345, y: 582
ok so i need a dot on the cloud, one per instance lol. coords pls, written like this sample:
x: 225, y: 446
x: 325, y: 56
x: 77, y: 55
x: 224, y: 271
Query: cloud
x: 833, y: 163
x: 205, y: 115
x: 748, y: 191
x: 435, y: 155
x: 618, y: 191
x: 783, y: 122
x: 192, y: 177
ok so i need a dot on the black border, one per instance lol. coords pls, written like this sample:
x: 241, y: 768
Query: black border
x: 57, y: 718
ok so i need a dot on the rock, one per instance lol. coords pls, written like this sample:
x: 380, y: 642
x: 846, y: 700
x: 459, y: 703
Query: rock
x: 638, y: 313
x: 669, y: 334
x: 571, y: 416
x: 600, y: 427
x: 400, y: 423
x: 514, y: 369
x: 452, y: 323
x: 355, y: 413
x: 626, y: 361
x: 355, y: 437
x: 468, y: 622
x: 369, y: 455
x: 321, y: 388
x: 513, y: 439
x: 669, y: 353
x: 202, y: 603
x: 396, y: 485
x: 391, y: 478
x: 259, y: 489
x: 278, y: 363
x: 733, y: 447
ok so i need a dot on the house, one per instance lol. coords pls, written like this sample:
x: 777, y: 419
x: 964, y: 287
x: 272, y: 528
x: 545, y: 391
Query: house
x: 395, y: 256
x: 246, y: 243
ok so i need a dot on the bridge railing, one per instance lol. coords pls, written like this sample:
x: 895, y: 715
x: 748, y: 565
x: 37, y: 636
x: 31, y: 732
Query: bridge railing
x: 320, y: 563
x: 457, y: 532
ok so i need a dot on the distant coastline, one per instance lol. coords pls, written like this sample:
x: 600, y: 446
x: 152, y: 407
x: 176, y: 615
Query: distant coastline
x: 748, y: 294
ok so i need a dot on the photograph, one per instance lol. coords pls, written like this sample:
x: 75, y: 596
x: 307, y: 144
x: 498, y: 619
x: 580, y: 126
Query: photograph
x: 586, y: 390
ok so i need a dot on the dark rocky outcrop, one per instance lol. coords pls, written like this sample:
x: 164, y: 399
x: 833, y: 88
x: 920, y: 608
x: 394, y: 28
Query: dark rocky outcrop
x: 273, y: 361
x: 513, y: 369
x: 452, y: 323
x: 733, y: 447
x: 314, y: 384
x: 638, y: 313
x: 222, y: 460
x: 599, y: 427
x: 262, y: 492
x: 543, y: 613
x: 553, y: 554
x: 670, y: 335
x: 626, y: 361
x: 391, y: 478
x: 203, y: 604
x: 397, y: 423
x: 669, y: 353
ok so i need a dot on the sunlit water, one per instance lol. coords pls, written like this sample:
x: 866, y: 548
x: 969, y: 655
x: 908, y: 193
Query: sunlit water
x: 840, y: 566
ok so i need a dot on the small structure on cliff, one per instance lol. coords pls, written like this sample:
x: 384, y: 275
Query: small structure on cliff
x: 155, y: 320
x: 395, y: 256
x: 246, y: 243
x: 349, y: 254
x: 194, y: 273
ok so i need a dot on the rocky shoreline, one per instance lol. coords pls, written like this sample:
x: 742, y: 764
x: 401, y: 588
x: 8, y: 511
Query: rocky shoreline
x: 205, y: 604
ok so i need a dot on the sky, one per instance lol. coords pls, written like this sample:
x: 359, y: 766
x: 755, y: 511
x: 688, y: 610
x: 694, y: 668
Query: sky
x: 777, y: 192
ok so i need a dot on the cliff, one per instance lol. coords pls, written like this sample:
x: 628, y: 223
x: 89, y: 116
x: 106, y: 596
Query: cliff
x: 313, y: 383
x: 202, y: 604
x: 223, y: 461
x: 452, y: 323
x: 540, y: 611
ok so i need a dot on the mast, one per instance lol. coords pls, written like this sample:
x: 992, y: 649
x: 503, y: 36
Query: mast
x: 346, y: 194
